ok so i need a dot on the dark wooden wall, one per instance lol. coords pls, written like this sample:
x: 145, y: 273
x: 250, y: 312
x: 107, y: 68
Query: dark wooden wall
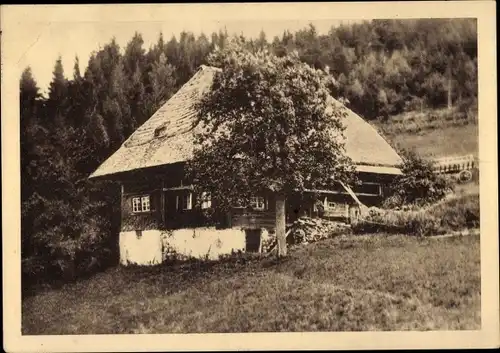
x: 142, y: 220
x: 248, y: 218
x: 167, y: 184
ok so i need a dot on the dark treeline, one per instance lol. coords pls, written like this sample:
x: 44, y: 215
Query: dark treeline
x: 70, y: 225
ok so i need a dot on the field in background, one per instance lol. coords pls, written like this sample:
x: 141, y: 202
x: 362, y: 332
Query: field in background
x: 352, y: 283
x: 433, y: 133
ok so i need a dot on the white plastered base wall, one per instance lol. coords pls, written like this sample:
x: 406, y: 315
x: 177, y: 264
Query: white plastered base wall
x: 141, y: 248
x: 154, y: 246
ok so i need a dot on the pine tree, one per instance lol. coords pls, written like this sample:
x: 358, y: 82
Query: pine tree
x: 58, y: 90
x: 160, y: 46
x: 202, y: 50
x: 162, y: 84
x: 187, y: 57
x: 261, y: 42
x: 76, y: 70
x: 136, y: 99
x: 117, y: 106
x: 29, y: 94
x: 134, y: 55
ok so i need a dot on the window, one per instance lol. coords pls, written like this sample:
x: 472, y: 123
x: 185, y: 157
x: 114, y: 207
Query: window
x: 206, y: 200
x: 329, y: 204
x: 141, y: 204
x: 136, y: 204
x: 186, y: 201
x: 368, y: 189
x: 257, y: 203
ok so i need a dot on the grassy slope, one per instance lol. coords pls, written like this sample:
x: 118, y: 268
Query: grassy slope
x: 452, y: 140
x: 342, y: 284
x: 433, y: 133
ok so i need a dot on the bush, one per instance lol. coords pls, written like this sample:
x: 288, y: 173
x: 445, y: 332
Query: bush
x: 458, y: 212
x: 418, y: 185
x: 452, y: 214
x: 60, y: 258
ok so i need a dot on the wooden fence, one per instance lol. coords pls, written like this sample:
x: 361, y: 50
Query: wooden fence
x: 454, y: 164
x: 459, y: 166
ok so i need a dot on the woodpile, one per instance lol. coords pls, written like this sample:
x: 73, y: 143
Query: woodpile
x: 309, y: 230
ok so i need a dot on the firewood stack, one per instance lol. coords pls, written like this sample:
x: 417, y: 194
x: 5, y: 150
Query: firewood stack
x: 310, y: 230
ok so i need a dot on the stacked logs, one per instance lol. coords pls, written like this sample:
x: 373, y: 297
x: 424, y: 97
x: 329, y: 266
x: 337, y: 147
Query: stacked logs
x: 309, y: 230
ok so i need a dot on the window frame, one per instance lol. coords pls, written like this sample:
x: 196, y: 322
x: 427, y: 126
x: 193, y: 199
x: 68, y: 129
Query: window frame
x: 180, y: 202
x: 369, y: 183
x: 331, y: 205
x: 206, y: 200
x: 138, y: 204
x: 254, y: 203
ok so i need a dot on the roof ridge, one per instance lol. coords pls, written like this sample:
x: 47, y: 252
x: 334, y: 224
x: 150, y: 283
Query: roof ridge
x: 208, y: 67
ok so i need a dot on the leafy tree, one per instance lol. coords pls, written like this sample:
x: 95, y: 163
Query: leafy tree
x: 436, y: 89
x: 309, y: 48
x: 418, y: 184
x: 268, y: 125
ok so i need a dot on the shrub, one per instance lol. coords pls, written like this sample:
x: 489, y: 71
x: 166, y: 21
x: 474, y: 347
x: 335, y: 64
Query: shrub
x: 61, y: 258
x: 418, y: 185
x: 458, y: 212
x: 452, y: 214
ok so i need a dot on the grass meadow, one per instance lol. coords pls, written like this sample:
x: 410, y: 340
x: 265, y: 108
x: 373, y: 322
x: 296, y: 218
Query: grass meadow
x: 348, y: 283
x: 433, y: 133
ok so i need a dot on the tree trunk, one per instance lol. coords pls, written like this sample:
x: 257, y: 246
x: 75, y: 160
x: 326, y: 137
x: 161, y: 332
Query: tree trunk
x: 281, y: 225
x: 449, y: 89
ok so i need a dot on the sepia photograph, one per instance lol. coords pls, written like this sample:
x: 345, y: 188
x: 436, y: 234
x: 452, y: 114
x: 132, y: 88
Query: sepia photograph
x: 198, y: 171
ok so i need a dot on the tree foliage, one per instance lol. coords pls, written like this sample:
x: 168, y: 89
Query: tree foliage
x: 418, y: 185
x: 267, y: 124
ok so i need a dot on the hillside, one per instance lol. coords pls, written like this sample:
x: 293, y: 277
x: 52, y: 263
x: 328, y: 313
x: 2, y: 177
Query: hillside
x: 433, y: 133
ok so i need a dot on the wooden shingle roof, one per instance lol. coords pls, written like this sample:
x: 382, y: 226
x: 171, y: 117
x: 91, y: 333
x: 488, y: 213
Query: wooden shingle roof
x: 167, y: 137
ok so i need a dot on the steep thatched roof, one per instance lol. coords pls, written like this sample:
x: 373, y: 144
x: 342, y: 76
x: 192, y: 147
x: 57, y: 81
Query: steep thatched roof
x: 167, y: 136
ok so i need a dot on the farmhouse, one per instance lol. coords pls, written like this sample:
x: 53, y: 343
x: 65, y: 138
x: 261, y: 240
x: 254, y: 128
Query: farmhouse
x: 162, y: 217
